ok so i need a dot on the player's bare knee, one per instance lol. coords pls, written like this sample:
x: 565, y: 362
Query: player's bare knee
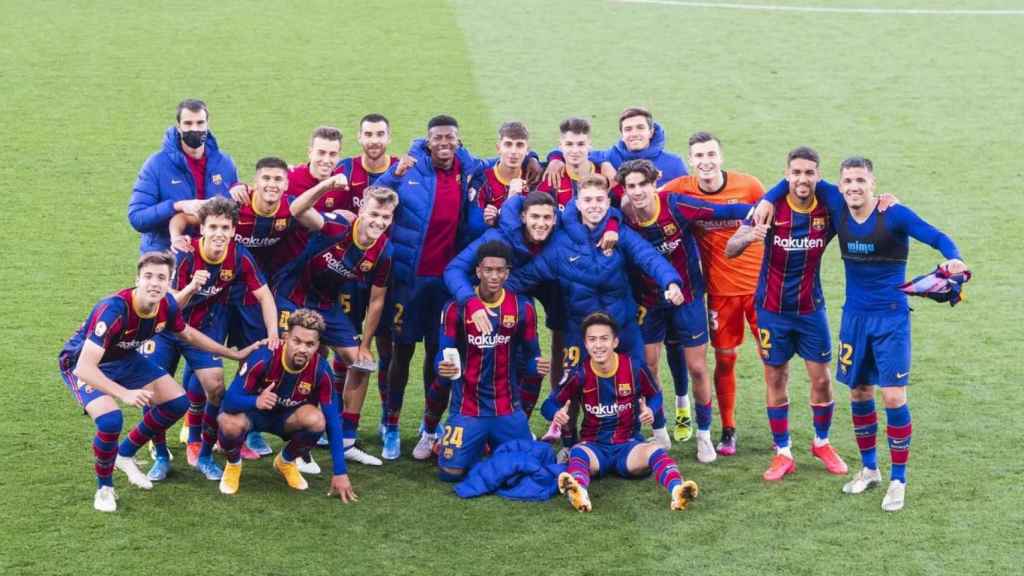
x: 232, y: 424
x: 894, y: 397
x: 313, y: 421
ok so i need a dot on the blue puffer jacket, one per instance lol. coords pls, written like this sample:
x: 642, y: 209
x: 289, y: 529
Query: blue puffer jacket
x: 166, y: 179
x: 518, y: 470
x: 458, y: 276
x: 415, y: 204
x: 591, y: 281
x: 671, y: 166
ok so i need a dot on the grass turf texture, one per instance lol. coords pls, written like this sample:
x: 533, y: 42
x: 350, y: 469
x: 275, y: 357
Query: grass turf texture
x: 934, y: 100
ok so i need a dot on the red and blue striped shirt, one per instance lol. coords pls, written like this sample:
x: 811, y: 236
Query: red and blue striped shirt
x: 115, y: 325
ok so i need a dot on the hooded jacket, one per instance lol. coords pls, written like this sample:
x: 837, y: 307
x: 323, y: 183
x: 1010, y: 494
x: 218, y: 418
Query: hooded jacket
x: 670, y: 165
x: 165, y: 179
x: 416, y: 202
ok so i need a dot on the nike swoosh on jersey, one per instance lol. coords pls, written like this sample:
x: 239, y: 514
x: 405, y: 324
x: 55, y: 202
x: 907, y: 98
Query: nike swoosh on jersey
x: 781, y: 223
x: 695, y: 336
x: 902, y: 375
x: 573, y: 258
x: 173, y: 181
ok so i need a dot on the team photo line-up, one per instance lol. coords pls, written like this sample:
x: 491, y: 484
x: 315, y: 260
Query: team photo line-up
x: 620, y: 247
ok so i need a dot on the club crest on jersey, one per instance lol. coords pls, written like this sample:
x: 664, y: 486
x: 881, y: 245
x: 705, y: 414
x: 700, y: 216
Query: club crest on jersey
x: 366, y: 265
x: 305, y: 387
x: 818, y: 223
x: 100, y: 329
x: 160, y: 327
x: 625, y: 389
x: 508, y: 320
x: 669, y: 229
x: 227, y: 274
x: 216, y: 179
x: 280, y: 224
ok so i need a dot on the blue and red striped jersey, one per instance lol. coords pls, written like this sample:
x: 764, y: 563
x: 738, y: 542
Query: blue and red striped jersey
x: 115, y: 325
x: 669, y: 231
x: 332, y: 259
x: 236, y: 267
x: 264, y: 234
x: 312, y: 384
x: 568, y: 186
x: 487, y: 188
x: 790, y: 282
x: 489, y: 385
x: 359, y: 179
x: 610, y: 401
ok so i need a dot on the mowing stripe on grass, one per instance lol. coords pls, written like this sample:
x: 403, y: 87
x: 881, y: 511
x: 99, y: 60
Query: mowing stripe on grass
x: 833, y: 10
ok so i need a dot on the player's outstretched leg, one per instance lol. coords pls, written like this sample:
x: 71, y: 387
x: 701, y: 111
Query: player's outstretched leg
x: 154, y: 421
x: 575, y: 480
x: 821, y: 448
x: 865, y: 429
x: 104, y: 447
x: 898, y: 431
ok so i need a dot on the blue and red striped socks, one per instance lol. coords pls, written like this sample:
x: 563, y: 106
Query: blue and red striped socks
x: 349, y: 427
x: 822, y: 421
x: 778, y: 421
x: 703, y: 414
x: 196, y: 405
x: 865, y: 428
x: 210, y: 428
x: 155, y: 420
x: 579, y: 465
x: 104, y: 446
x: 231, y: 445
x: 665, y: 470
x: 299, y: 444
x: 898, y: 431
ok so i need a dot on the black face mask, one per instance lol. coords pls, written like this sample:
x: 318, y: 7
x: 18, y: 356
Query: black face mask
x: 194, y: 138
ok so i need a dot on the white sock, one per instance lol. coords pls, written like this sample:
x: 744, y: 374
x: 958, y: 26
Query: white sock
x: 704, y: 435
x: 348, y: 443
x: 819, y: 442
x: 784, y: 451
x: 682, y: 401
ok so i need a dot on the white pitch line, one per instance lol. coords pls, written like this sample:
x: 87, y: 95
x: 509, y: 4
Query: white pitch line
x: 830, y: 10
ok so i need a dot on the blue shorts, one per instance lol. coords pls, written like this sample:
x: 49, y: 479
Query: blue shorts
x: 631, y: 342
x: 417, y: 310
x: 613, y: 457
x: 245, y: 324
x: 339, y: 333
x: 271, y: 421
x: 874, y: 348
x: 168, y: 349
x: 686, y: 324
x: 133, y: 372
x: 465, y: 436
x: 783, y: 335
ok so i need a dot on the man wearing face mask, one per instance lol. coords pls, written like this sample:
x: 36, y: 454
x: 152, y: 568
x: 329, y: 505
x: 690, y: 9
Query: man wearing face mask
x: 187, y: 170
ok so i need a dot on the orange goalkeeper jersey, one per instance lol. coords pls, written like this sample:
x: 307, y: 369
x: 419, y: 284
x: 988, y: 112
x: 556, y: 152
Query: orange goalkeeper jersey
x: 725, y: 276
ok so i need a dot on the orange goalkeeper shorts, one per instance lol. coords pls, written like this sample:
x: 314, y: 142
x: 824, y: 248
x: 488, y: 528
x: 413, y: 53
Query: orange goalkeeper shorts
x: 725, y: 319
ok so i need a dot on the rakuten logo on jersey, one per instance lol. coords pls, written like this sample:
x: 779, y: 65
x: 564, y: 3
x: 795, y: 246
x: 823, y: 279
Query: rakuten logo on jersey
x: 338, y: 267
x: 130, y: 344
x: 718, y: 224
x: 666, y: 248
x: 252, y: 242
x: 798, y: 244
x: 607, y: 410
x: 490, y: 341
x: 210, y: 290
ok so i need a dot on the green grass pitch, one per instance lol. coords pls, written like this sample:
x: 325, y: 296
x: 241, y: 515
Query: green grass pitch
x: 935, y: 100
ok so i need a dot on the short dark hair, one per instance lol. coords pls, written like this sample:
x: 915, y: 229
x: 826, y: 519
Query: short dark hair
x: 494, y: 249
x: 600, y: 319
x: 643, y: 167
x: 803, y: 153
x: 158, y: 258
x: 192, y: 105
x: 636, y: 111
x: 857, y: 162
x: 374, y: 117
x: 701, y: 137
x: 219, y: 206
x: 329, y: 133
x: 271, y: 162
x: 574, y: 125
x: 442, y: 120
x: 538, y: 198
x: 513, y: 131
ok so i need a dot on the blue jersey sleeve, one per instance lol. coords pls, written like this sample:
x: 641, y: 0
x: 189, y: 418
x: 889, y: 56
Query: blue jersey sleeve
x: 899, y: 218
x: 687, y: 209
x: 108, y: 320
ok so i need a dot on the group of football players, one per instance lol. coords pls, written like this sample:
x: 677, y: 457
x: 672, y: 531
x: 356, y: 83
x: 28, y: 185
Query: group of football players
x: 627, y: 253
